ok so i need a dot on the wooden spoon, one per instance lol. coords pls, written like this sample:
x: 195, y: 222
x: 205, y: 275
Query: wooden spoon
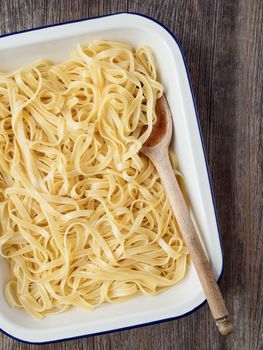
x: 156, y: 148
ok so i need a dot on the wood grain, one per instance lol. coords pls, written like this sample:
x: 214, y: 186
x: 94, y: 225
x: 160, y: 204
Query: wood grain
x: 222, y: 40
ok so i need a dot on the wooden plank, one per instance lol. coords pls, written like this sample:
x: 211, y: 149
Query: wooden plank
x: 223, y: 43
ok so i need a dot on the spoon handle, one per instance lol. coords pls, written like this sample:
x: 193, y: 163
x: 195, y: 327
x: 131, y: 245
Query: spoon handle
x: 214, y: 297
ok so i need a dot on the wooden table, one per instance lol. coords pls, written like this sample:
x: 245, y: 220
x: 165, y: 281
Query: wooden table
x: 223, y: 42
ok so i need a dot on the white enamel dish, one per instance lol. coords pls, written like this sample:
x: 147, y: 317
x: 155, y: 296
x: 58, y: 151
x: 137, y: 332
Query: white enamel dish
x: 56, y: 43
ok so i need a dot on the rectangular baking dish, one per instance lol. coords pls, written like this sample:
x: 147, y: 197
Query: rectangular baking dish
x: 56, y: 43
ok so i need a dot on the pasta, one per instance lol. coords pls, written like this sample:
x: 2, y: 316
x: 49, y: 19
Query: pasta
x: 84, y: 218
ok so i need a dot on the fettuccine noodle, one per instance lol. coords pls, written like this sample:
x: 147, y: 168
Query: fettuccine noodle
x: 84, y: 218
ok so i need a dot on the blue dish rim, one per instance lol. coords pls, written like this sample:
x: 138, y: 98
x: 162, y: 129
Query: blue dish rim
x: 207, y: 169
